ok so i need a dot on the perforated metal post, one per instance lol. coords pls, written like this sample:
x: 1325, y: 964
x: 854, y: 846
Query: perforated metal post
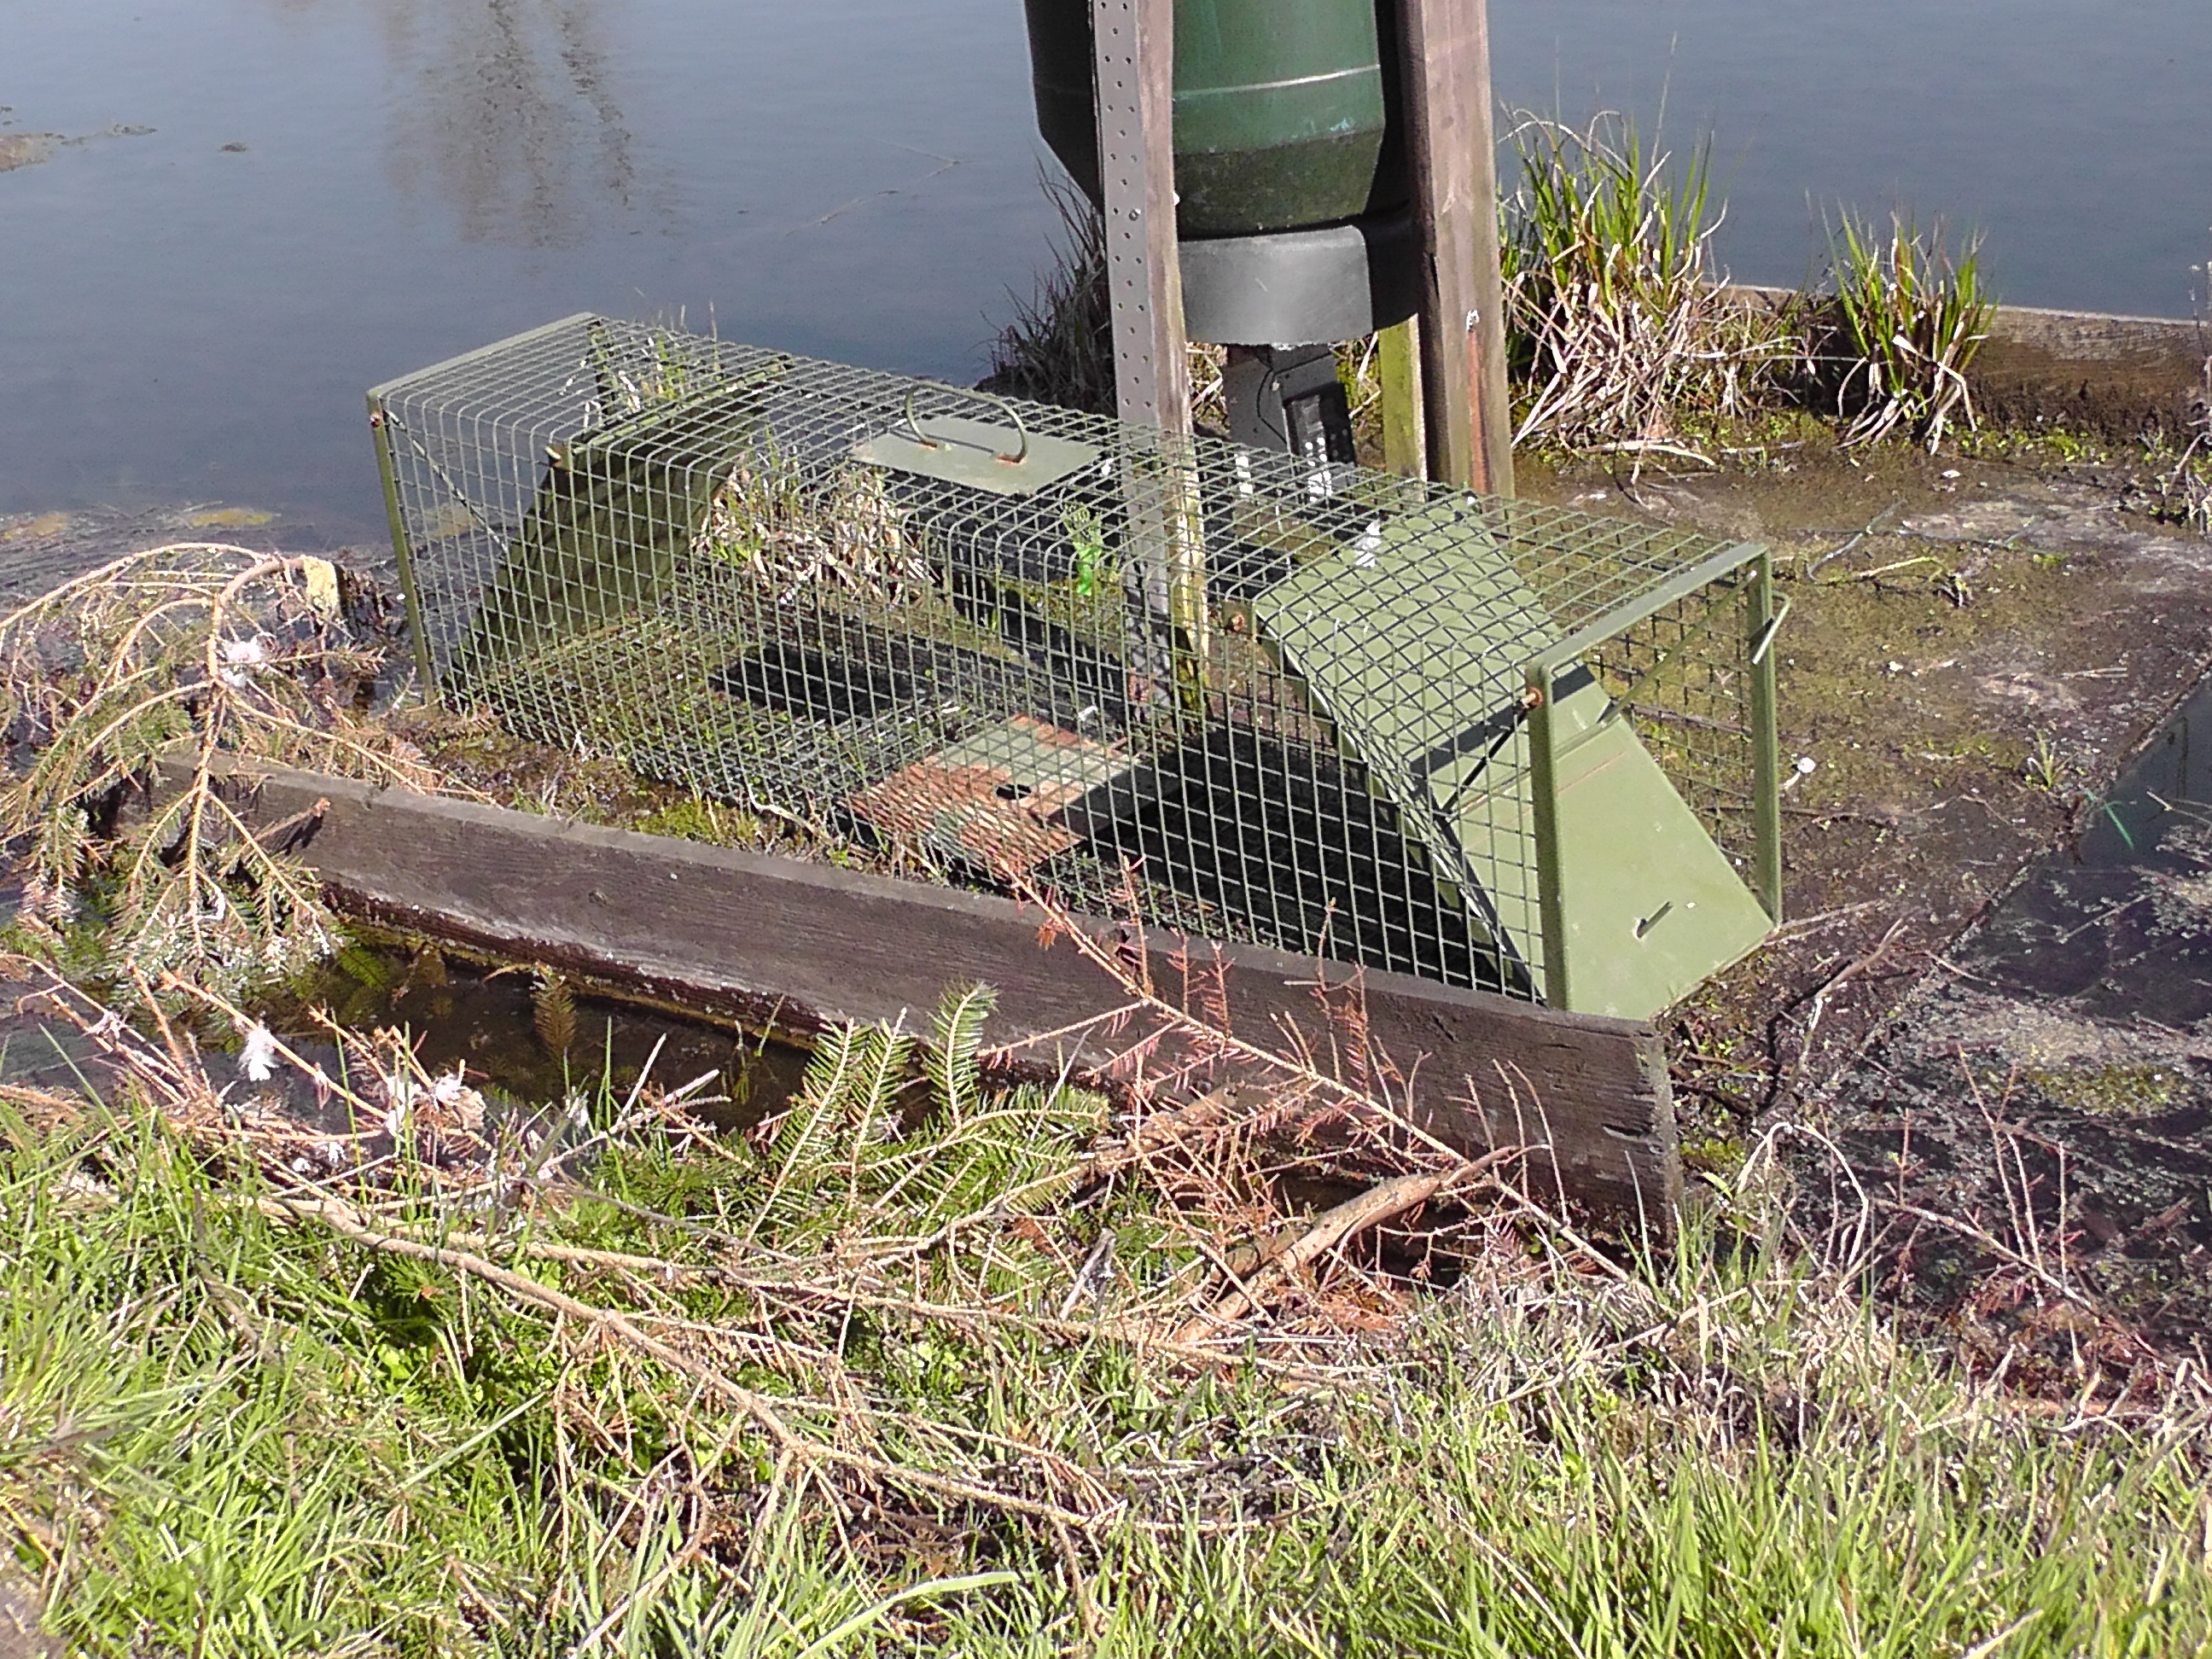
x: 1135, y: 67
x: 1134, y: 45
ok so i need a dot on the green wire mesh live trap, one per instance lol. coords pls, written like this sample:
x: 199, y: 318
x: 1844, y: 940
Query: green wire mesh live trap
x: 1320, y: 709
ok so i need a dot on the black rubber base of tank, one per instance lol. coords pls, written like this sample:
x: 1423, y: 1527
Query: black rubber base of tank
x: 1302, y: 286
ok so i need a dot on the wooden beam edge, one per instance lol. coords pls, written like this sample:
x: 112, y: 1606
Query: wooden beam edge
x: 776, y: 941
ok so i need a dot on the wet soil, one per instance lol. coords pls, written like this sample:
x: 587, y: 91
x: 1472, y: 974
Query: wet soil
x: 1997, y: 981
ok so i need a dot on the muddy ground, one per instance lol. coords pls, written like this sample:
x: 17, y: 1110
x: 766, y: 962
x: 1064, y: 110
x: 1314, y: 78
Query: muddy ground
x: 1993, y: 996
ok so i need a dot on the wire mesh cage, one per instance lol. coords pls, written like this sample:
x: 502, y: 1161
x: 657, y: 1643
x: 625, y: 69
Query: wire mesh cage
x: 1317, y: 707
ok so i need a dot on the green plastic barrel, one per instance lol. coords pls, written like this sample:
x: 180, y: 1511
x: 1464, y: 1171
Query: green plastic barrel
x: 1281, y: 109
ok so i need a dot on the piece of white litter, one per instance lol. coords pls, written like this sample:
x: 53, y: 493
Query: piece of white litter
x: 1950, y: 471
x: 448, y: 1087
x: 1805, y: 765
x: 1369, y: 543
x: 241, y: 655
x: 258, y: 1059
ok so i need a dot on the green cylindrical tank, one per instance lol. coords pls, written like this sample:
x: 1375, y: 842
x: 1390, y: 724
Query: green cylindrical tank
x: 1282, y: 109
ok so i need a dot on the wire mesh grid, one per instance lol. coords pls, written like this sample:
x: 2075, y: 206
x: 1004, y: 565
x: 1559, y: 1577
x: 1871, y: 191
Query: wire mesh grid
x: 1263, y: 701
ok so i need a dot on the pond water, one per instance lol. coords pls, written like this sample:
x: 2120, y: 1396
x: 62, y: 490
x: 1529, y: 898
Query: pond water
x: 492, y: 1023
x: 2117, y: 924
x: 495, y: 1025
x: 249, y: 210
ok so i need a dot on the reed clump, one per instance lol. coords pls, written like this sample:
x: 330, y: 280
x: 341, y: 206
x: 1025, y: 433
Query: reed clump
x: 1906, y: 319
x: 1621, y: 334
x: 2185, y: 487
x: 1059, y: 346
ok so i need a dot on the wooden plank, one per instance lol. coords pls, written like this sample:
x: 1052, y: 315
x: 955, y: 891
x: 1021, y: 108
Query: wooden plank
x: 1451, y: 143
x: 774, y: 940
x: 1405, y: 432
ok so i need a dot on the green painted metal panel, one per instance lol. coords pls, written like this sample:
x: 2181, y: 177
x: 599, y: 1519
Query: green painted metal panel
x: 617, y: 508
x: 1003, y: 460
x: 1405, y: 632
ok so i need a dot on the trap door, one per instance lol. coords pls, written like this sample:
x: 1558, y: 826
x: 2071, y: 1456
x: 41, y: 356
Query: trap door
x: 1413, y: 637
x: 619, y: 506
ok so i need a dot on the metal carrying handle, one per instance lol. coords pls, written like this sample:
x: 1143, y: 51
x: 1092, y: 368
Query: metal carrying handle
x: 1012, y: 414
x: 1767, y: 632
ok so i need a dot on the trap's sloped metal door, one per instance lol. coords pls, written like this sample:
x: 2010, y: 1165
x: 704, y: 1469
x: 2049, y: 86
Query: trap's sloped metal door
x: 1415, y: 637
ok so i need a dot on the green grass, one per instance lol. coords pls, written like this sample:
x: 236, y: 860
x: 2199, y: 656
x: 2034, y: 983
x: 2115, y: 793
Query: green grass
x: 1619, y: 335
x: 225, y: 1431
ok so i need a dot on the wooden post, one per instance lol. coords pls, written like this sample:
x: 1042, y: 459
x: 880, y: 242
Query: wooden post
x: 1463, y: 322
x: 1405, y: 432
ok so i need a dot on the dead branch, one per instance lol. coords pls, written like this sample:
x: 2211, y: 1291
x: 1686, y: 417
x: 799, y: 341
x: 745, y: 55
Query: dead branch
x: 1371, y: 1208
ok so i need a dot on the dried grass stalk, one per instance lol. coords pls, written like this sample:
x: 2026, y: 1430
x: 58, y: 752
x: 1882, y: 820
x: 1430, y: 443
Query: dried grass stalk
x: 795, y: 534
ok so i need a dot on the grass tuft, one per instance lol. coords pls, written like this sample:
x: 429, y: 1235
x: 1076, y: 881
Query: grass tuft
x: 1058, y: 347
x: 1620, y: 333
x: 1906, y: 319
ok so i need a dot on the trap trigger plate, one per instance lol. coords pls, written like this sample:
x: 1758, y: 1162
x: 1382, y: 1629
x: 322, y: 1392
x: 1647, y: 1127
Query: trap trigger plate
x: 981, y: 454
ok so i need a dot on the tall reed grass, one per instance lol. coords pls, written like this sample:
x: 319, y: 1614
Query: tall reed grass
x: 1620, y: 334
x: 1058, y: 348
x: 1905, y: 320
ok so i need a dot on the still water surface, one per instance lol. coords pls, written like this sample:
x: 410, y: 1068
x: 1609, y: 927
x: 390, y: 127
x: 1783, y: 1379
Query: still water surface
x: 333, y: 192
